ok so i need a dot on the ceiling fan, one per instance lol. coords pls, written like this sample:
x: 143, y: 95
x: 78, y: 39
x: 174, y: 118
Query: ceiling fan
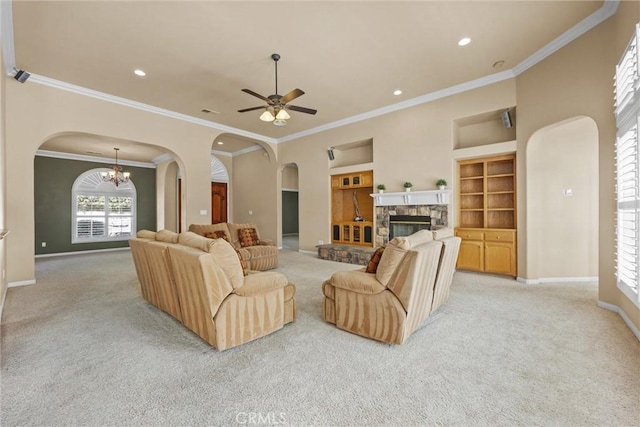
x: 277, y: 105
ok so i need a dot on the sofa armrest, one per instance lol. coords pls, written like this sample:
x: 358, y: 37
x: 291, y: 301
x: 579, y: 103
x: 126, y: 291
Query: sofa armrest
x: 266, y: 242
x: 257, y: 283
x: 356, y: 281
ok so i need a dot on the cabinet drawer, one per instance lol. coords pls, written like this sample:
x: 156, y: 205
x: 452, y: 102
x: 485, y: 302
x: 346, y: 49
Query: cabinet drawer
x: 469, y: 234
x: 499, y: 236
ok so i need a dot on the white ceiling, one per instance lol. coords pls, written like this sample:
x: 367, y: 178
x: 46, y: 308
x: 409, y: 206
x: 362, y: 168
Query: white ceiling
x: 347, y: 56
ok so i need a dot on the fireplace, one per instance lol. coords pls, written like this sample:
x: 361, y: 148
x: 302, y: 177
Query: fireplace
x: 406, y: 225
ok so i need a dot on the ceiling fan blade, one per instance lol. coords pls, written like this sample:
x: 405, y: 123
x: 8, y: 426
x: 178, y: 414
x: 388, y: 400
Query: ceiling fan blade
x: 257, y: 95
x: 291, y: 96
x: 251, y: 109
x: 301, y: 109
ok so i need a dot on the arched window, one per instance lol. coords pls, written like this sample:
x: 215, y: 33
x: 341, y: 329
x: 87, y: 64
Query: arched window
x: 102, y: 212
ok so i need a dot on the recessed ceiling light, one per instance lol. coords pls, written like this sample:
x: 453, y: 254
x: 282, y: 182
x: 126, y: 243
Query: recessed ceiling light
x: 397, y: 92
x: 498, y: 64
x: 139, y: 73
x: 209, y: 111
x: 464, y: 41
x: 220, y: 143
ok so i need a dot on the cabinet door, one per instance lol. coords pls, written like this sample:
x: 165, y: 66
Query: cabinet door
x: 471, y: 256
x: 500, y: 258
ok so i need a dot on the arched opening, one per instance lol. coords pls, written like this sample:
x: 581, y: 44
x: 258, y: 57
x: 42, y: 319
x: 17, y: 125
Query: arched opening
x: 68, y: 165
x: 562, y: 201
x: 290, y: 207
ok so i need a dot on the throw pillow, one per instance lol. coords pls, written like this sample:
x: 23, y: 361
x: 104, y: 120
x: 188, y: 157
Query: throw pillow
x: 243, y: 263
x: 248, y: 237
x: 216, y: 234
x: 372, y: 267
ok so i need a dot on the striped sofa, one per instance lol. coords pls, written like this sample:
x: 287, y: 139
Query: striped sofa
x: 202, y: 284
x: 412, y: 280
x: 261, y: 256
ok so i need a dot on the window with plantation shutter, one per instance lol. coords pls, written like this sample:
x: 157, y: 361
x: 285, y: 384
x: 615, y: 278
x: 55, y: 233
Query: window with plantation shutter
x: 101, y: 211
x: 627, y: 110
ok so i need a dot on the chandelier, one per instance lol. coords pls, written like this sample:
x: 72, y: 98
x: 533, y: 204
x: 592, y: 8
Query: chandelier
x: 115, y: 175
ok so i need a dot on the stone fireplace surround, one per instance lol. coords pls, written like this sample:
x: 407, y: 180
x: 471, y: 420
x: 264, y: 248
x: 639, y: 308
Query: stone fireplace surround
x: 434, y: 203
x: 438, y: 213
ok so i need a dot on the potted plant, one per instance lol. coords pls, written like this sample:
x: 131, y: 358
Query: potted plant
x: 381, y: 188
x: 441, y: 183
x: 407, y: 186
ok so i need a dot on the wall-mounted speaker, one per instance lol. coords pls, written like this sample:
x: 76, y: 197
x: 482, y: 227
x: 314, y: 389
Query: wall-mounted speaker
x: 21, y: 76
x: 506, y: 119
x: 330, y: 153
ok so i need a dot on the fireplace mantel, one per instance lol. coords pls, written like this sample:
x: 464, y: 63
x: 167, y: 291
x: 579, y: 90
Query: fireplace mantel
x: 429, y: 197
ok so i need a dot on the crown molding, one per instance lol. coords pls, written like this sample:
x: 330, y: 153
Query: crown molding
x: 36, y: 78
x: 443, y: 93
x: 85, y: 158
x: 221, y: 153
x: 608, y: 9
x: 162, y: 158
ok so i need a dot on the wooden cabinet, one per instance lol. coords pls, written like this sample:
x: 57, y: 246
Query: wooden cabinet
x: 352, y: 232
x: 352, y: 180
x: 487, y: 250
x: 346, y: 190
x: 487, y: 214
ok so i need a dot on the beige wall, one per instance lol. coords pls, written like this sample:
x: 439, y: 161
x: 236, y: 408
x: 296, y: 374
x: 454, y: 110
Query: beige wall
x: 577, y: 81
x: 255, y: 197
x: 290, y: 177
x: 36, y: 112
x: 414, y: 145
x: 560, y: 157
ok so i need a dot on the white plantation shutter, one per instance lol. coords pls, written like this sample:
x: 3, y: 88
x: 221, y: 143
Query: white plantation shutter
x: 101, y: 211
x: 627, y: 96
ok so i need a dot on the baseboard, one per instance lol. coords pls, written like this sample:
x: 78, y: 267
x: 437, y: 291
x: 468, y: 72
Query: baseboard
x: 308, y: 252
x: 93, y: 251
x: 622, y: 314
x: 556, y: 280
x: 21, y: 283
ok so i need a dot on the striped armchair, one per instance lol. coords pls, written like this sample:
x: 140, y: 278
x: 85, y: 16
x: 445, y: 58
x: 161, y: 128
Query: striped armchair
x: 411, y: 281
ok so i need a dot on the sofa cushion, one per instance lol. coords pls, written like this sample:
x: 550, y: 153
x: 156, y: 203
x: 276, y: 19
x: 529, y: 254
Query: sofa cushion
x: 233, y: 232
x: 167, y: 236
x: 372, y: 267
x: 217, y: 234
x: 146, y: 234
x: 395, y: 252
x: 243, y: 263
x: 248, y: 237
x: 223, y: 253
x: 229, y: 260
x: 203, y: 229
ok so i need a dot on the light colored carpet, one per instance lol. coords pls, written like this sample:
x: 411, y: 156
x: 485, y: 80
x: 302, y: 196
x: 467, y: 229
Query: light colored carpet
x: 81, y: 347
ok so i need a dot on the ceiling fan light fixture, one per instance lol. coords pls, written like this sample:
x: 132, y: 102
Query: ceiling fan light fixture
x: 279, y: 122
x: 283, y: 115
x: 267, y: 116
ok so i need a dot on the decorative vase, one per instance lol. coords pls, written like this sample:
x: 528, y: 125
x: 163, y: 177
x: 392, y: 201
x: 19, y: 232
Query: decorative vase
x: 380, y: 191
x: 441, y: 187
x: 407, y: 189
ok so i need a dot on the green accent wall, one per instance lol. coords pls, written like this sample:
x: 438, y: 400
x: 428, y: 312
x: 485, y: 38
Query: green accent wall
x: 53, y: 182
x: 289, y: 212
